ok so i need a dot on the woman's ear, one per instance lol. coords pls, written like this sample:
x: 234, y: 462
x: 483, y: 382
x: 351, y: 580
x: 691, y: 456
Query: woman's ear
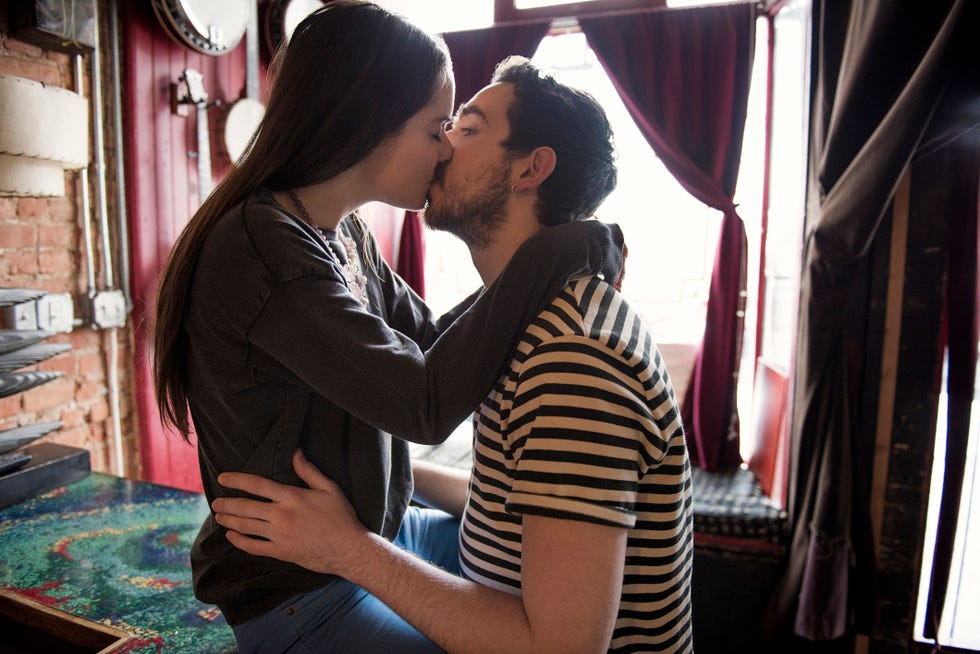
x: 538, y: 167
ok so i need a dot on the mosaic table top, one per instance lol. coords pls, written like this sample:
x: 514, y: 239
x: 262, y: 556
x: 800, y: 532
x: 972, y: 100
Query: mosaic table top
x: 114, y: 551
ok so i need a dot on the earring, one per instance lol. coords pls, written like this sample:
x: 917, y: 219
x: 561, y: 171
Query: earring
x: 513, y: 188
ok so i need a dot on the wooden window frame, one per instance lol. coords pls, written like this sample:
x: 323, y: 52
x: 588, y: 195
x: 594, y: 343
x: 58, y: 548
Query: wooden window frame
x: 505, y: 11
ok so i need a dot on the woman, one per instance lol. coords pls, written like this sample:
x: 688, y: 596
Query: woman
x: 279, y: 327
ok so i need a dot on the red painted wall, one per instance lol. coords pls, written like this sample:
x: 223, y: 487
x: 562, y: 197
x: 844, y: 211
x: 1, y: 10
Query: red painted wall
x: 163, y: 195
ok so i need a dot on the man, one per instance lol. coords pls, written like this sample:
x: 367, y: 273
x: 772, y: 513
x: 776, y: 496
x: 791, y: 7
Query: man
x: 576, y: 531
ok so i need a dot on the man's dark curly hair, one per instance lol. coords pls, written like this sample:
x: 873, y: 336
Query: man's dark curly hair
x: 571, y: 122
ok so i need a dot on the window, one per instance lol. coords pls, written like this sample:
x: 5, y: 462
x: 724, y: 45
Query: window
x: 787, y: 182
x: 958, y: 626
x: 444, y: 15
x: 673, y: 240
x: 516, y: 10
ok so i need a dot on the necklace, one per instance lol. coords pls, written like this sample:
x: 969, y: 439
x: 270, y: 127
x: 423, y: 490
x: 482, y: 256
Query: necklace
x: 356, y: 281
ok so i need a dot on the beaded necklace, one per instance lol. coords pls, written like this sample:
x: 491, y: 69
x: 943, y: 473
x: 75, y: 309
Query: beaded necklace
x: 356, y: 281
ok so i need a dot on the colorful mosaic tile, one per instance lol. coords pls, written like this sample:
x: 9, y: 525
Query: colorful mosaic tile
x: 114, y: 551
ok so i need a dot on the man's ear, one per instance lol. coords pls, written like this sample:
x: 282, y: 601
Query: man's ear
x: 537, y: 167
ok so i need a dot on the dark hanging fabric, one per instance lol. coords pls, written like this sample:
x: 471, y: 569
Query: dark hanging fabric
x: 881, y: 70
x: 411, y: 253
x: 684, y: 75
x: 476, y: 53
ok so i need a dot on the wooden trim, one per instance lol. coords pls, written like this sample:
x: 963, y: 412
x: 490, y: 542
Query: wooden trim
x: 80, y: 632
x: 504, y: 11
x: 889, y: 355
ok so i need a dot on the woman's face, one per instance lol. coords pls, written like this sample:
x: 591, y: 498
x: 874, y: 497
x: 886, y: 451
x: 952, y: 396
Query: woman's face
x: 403, y: 167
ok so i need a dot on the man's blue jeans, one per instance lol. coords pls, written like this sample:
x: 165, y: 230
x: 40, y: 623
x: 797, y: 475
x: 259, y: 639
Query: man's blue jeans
x: 342, y: 617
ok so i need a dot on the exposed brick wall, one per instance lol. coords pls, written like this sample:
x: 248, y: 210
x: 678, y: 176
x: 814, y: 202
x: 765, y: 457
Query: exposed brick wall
x: 42, y: 246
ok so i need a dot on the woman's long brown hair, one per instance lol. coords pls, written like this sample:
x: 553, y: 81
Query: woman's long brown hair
x: 351, y: 76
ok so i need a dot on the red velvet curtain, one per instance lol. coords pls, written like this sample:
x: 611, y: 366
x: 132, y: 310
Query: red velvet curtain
x: 411, y: 253
x: 684, y: 76
x: 475, y: 53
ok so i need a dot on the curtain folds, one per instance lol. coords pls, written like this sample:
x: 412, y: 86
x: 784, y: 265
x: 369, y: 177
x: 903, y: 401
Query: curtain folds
x: 476, y: 53
x: 411, y: 253
x: 684, y: 77
x: 881, y: 72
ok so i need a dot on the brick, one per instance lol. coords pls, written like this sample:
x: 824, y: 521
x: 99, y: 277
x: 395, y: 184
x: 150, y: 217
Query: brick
x: 18, y: 236
x: 22, y: 263
x: 32, y: 208
x: 48, y: 415
x: 77, y: 437
x: 10, y: 406
x: 97, y: 459
x: 29, y: 49
x: 90, y: 366
x: 64, y: 362
x: 89, y: 391
x: 39, y: 71
x: 61, y: 210
x: 72, y: 417
x: 39, y: 248
x: 99, y: 456
x: 50, y: 285
x: 83, y: 339
x: 98, y: 412
x: 96, y: 432
x: 63, y: 59
x: 61, y: 236
x: 54, y: 393
x: 8, y: 207
x: 54, y: 260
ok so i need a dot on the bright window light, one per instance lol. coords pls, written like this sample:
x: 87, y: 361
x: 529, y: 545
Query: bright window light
x: 671, y: 235
x: 444, y: 15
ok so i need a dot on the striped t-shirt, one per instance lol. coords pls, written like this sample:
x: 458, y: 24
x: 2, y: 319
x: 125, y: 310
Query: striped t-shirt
x: 584, y: 426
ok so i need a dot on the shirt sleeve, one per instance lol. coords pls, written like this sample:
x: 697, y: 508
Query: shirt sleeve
x: 576, y: 427
x: 318, y: 332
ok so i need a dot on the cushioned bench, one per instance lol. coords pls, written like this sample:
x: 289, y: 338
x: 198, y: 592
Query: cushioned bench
x: 742, y: 510
x: 731, y: 511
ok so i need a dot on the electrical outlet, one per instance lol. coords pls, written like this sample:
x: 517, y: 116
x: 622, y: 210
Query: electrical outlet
x: 21, y: 316
x: 109, y: 309
x: 55, y: 312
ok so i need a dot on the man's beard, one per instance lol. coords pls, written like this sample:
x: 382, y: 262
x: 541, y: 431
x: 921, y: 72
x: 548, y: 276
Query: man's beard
x: 473, y: 218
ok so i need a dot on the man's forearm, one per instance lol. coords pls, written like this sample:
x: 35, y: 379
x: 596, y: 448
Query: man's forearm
x: 441, y: 487
x: 571, y: 571
x: 459, y: 615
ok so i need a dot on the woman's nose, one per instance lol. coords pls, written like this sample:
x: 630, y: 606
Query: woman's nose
x: 445, y: 147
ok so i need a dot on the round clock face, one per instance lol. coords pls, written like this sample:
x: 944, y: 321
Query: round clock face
x: 282, y: 17
x: 212, y: 27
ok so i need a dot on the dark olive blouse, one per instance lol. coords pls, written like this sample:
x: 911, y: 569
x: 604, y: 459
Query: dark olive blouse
x: 282, y: 356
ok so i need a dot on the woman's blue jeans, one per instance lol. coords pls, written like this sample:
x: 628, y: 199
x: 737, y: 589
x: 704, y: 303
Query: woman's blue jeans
x: 342, y: 617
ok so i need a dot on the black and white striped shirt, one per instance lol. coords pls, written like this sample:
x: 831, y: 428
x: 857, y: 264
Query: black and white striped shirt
x: 584, y: 426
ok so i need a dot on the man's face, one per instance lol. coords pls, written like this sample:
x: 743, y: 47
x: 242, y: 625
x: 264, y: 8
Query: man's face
x: 469, y: 197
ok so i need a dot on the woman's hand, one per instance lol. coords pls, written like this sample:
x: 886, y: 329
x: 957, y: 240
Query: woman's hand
x: 618, y: 284
x: 314, y: 527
